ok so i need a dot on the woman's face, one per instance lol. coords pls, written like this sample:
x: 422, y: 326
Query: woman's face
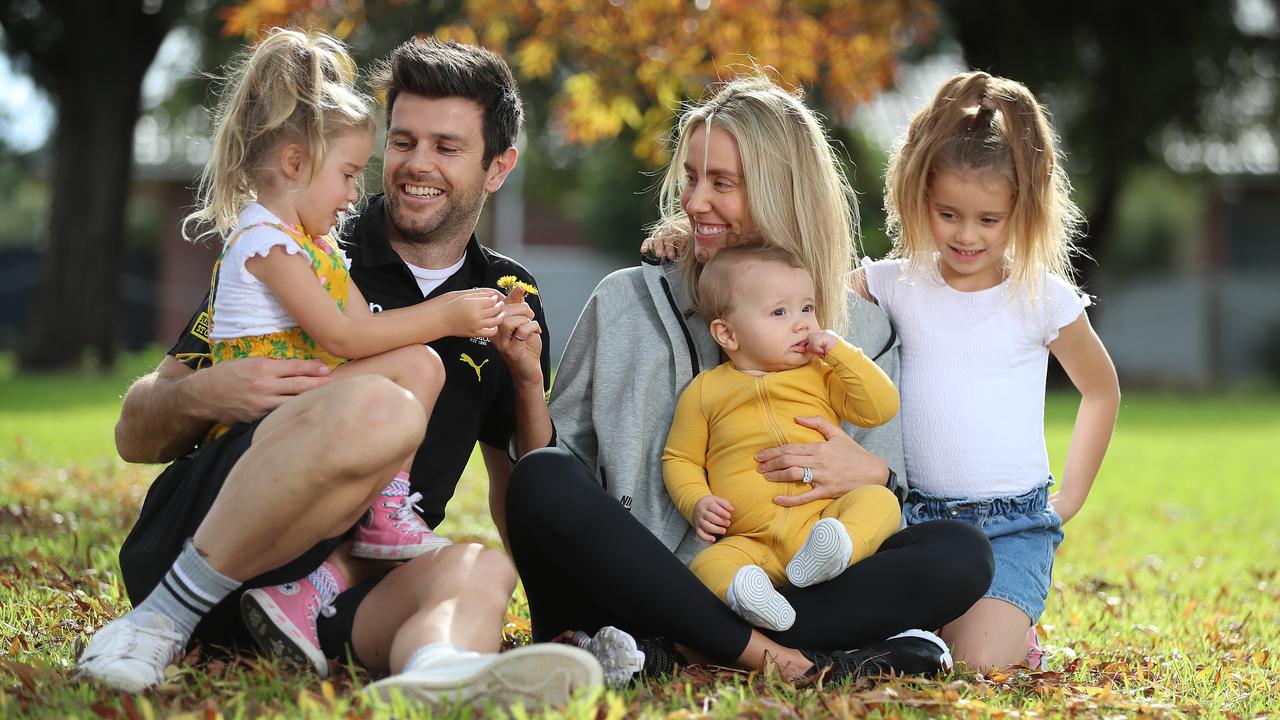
x: 715, y: 192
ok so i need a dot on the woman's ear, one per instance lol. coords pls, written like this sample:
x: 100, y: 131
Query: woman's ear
x: 722, y: 333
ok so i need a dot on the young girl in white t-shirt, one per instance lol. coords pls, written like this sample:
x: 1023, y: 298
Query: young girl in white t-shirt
x: 292, y: 137
x: 979, y: 289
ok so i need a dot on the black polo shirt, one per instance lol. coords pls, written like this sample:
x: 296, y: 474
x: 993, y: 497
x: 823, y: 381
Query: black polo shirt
x: 478, y: 402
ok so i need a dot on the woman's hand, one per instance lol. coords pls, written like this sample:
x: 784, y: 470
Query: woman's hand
x: 711, y: 516
x: 838, y: 464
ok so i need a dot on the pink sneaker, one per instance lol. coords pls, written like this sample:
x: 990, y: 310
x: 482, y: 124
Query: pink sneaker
x: 391, y: 530
x: 282, y: 619
x: 1035, y: 656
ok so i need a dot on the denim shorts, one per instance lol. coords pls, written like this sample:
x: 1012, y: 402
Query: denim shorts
x: 1024, y: 532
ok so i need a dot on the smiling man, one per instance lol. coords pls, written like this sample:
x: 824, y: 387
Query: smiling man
x: 434, y: 623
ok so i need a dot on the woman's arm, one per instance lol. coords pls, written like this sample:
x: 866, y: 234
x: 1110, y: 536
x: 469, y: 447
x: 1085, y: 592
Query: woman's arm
x: 468, y: 313
x: 572, y: 393
x: 1086, y: 362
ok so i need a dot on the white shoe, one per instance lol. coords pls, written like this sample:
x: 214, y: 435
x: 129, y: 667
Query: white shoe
x: 755, y: 600
x: 131, y: 652
x: 823, y: 556
x: 616, y: 651
x: 536, y: 675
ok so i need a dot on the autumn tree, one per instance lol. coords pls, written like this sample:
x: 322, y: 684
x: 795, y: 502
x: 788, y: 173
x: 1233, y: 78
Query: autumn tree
x: 90, y: 56
x: 624, y: 66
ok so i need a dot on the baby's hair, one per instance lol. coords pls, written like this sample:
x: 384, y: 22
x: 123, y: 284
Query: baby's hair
x: 716, y: 284
x: 292, y: 87
x: 987, y: 125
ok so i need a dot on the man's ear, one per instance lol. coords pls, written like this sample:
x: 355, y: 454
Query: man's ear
x: 499, y: 168
x: 294, y: 162
x: 723, y: 335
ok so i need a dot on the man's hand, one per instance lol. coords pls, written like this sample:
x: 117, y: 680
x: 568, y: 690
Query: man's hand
x: 821, y: 342
x: 711, y: 516
x: 519, y: 339
x: 839, y: 464
x: 469, y: 313
x: 246, y: 389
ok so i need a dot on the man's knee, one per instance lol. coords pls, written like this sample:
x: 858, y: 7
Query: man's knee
x: 373, y: 408
x: 476, y: 568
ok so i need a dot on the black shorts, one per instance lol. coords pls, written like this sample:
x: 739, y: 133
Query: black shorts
x: 176, y: 504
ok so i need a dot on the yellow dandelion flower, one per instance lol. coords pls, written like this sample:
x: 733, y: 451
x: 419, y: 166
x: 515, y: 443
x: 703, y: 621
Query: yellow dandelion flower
x: 507, y: 283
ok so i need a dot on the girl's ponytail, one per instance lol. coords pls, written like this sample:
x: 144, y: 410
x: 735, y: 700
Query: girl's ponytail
x: 291, y: 87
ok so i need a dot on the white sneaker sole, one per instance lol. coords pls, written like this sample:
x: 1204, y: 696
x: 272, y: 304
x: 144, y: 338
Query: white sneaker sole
x: 823, y: 556
x: 758, y: 602
x: 535, y: 675
x: 396, y: 552
x: 619, y: 657
x: 277, y: 634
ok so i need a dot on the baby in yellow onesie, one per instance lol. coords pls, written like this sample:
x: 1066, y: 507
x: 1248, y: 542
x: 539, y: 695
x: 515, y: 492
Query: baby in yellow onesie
x: 760, y: 302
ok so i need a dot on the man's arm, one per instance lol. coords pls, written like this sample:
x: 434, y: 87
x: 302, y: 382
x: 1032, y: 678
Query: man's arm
x: 498, y: 466
x: 167, y: 411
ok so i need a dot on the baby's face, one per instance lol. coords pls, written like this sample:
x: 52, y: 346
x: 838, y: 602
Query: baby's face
x: 772, y: 317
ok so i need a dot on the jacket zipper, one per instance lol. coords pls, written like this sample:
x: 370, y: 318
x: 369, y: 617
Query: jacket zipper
x: 688, y: 337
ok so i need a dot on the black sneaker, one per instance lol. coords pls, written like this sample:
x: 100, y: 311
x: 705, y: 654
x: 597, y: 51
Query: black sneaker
x: 661, y: 658
x: 914, y: 652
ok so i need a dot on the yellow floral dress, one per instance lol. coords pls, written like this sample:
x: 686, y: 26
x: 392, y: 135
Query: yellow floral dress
x: 330, y: 267
x: 294, y: 343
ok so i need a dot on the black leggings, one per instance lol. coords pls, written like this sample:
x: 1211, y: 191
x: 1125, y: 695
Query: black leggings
x: 586, y: 562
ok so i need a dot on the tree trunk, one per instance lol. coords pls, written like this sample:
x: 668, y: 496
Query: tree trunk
x: 94, y: 71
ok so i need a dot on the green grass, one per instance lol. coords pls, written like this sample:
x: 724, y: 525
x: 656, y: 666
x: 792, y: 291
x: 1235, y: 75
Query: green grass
x: 1165, y: 603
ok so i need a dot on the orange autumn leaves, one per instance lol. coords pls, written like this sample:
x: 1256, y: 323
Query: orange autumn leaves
x: 626, y: 65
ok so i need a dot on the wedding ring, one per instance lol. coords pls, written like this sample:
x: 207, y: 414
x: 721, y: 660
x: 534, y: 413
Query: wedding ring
x: 808, y: 476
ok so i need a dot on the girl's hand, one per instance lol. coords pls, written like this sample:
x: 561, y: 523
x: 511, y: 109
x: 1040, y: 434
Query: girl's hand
x: 666, y: 248
x: 1065, y: 505
x: 470, y: 313
x: 711, y: 517
x: 839, y: 464
x: 821, y: 342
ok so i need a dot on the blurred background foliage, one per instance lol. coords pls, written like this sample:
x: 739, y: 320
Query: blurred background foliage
x: 1162, y: 109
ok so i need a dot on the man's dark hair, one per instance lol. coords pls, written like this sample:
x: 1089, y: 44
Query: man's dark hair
x: 435, y: 69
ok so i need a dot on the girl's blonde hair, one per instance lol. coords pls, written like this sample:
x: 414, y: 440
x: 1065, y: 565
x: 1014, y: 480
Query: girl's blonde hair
x: 990, y: 125
x: 292, y: 87
x: 797, y: 197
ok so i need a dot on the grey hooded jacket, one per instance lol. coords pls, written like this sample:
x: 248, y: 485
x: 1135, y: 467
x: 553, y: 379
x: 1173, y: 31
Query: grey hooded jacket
x: 633, y: 350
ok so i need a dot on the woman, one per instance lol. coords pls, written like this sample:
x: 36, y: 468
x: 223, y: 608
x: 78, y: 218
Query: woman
x: 592, y: 531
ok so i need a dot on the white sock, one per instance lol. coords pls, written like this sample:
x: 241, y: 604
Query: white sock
x: 430, y: 652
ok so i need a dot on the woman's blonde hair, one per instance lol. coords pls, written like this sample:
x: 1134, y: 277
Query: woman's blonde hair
x: 797, y: 196
x: 988, y: 125
x: 292, y: 87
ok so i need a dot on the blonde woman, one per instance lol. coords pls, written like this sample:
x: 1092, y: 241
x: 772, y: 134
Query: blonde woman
x: 599, y: 544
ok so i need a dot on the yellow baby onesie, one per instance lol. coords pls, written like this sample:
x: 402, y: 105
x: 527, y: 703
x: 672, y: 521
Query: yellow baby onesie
x: 725, y: 416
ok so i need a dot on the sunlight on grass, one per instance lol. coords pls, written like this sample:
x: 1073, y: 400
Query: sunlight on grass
x: 1165, y: 599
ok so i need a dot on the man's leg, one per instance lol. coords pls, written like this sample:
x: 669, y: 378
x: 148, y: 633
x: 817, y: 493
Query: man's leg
x: 436, y: 624
x: 312, y: 468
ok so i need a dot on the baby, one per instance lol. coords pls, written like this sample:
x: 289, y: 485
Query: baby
x: 760, y: 303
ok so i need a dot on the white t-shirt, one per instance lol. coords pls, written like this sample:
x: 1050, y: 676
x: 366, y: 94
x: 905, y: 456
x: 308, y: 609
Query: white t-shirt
x: 429, y: 279
x: 242, y: 304
x: 973, y: 378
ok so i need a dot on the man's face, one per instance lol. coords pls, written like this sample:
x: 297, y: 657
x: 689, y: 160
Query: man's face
x: 433, y: 173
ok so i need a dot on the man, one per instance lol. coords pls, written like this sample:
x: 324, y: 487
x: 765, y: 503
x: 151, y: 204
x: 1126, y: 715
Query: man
x: 267, y: 501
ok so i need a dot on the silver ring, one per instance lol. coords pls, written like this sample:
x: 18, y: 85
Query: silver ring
x: 808, y: 476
